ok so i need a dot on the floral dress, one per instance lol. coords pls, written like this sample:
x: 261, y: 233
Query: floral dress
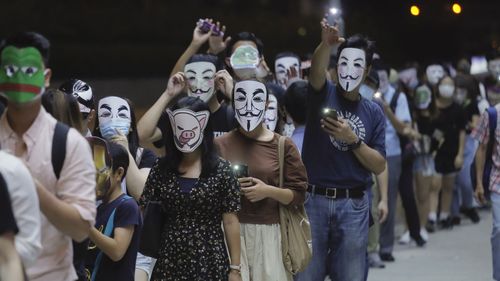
x: 192, y: 246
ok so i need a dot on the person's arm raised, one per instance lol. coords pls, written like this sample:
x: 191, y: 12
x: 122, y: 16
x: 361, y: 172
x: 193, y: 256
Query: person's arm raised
x: 217, y: 44
x: 329, y: 37
x: 146, y: 127
x: 199, y: 38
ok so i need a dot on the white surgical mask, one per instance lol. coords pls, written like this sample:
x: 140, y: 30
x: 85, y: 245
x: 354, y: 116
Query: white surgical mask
x: 200, y: 78
x: 351, y: 67
x: 446, y: 91
x: 113, y: 113
x: 188, y: 127
x: 250, y: 98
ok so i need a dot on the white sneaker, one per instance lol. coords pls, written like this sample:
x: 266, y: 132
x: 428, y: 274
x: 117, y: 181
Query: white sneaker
x: 424, y: 234
x: 405, y: 238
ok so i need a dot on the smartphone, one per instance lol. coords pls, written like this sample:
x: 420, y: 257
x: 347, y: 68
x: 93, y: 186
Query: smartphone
x: 240, y: 170
x: 329, y: 112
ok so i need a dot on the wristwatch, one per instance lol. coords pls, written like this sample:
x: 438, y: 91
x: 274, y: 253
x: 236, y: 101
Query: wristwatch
x: 355, y: 145
x: 235, y: 267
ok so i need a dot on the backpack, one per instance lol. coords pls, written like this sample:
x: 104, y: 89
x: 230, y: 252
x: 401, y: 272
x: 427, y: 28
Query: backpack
x: 488, y: 164
x: 59, y: 147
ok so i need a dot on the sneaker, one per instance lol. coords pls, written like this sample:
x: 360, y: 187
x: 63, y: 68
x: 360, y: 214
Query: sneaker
x: 374, y: 261
x: 430, y: 226
x: 424, y: 234
x: 387, y: 257
x: 420, y: 241
x: 472, y: 214
x: 405, y: 238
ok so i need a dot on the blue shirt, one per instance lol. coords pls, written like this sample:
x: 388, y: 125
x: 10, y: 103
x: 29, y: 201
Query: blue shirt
x: 127, y: 214
x: 402, y: 112
x: 298, y: 137
x: 328, y: 161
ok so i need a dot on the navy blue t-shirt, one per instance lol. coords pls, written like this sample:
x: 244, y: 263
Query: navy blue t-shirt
x: 329, y: 163
x: 127, y: 213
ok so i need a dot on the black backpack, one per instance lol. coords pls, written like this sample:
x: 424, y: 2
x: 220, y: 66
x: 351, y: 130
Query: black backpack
x: 59, y: 147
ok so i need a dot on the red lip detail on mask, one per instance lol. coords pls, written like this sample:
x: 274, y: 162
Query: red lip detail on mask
x: 12, y: 87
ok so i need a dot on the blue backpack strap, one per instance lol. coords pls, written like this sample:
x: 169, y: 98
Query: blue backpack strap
x: 492, y: 118
x: 108, y: 230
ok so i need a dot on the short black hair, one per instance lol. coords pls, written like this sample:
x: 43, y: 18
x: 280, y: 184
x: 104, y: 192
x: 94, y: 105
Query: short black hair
x: 380, y: 65
x: 359, y: 42
x: 373, y: 78
x: 119, y: 158
x: 173, y: 157
x: 206, y: 58
x: 29, y: 39
x: 245, y: 36
x: 295, y: 101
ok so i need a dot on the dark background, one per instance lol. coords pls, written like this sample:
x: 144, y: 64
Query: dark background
x: 143, y: 38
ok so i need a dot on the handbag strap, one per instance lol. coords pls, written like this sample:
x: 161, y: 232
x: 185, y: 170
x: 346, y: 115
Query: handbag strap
x: 107, y: 232
x: 281, y: 155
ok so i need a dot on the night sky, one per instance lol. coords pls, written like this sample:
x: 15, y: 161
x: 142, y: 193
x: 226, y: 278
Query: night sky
x: 104, y: 39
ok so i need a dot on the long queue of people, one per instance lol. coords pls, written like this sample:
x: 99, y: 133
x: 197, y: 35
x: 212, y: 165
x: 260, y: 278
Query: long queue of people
x: 199, y: 188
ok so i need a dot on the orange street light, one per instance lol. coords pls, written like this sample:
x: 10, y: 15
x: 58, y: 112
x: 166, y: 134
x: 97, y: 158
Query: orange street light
x: 456, y: 8
x: 415, y: 10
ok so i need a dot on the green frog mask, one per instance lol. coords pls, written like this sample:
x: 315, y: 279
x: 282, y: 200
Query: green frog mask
x: 21, y: 74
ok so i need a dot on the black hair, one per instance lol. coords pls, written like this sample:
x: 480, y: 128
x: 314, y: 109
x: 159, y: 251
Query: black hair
x: 173, y: 157
x: 468, y: 82
x: 133, y: 136
x: 373, y: 77
x: 287, y: 54
x: 29, y: 39
x: 74, y: 86
x: 380, y: 65
x: 295, y: 101
x: 359, y: 42
x: 276, y: 90
x: 119, y: 158
x: 245, y: 36
x: 206, y: 58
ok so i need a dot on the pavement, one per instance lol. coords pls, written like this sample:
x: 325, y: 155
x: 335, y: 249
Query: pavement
x: 461, y: 254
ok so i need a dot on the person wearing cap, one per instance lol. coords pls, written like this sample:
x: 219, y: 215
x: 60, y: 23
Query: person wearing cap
x: 86, y: 100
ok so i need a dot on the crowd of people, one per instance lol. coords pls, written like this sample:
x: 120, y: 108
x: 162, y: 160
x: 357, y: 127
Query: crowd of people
x: 198, y: 187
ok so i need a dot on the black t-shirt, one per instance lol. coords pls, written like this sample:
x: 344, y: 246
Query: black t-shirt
x: 223, y: 121
x: 148, y: 159
x: 127, y: 213
x: 450, y: 121
x: 7, y: 220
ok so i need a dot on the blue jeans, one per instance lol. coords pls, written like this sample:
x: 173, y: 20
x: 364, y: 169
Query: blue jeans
x: 463, y: 191
x: 495, y: 235
x: 339, y: 236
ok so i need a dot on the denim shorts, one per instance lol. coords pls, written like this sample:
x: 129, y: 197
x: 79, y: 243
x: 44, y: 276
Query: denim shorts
x: 424, y: 163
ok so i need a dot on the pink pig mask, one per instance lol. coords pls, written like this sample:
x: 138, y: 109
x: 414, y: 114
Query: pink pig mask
x: 188, y: 127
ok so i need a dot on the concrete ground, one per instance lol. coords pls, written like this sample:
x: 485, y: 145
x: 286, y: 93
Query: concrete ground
x: 462, y: 254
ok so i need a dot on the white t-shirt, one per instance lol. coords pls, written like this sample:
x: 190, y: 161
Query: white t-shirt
x: 25, y: 207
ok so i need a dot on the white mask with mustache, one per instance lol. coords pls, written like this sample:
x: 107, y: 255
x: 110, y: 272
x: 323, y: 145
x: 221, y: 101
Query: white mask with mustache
x: 250, y: 98
x: 434, y: 73
x: 200, y: 77
x: 271, y: 116
x: 281, y: 66
x: 188, y: 127
x: 350, y: 68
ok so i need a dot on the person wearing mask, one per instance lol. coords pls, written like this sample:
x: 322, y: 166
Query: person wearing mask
x: 66, y: 196
x: 340, y: 153
x: 398, y: 122
x: 115, y: 237
x: 449, y: 131
x: 245, y: 57
x: 467, y: 91
x: 86, y: 101
x: 255, y: 146
x: 198, y: 191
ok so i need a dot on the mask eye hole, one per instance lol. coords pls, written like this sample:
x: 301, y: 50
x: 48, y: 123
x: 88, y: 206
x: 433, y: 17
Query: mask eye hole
x: 106, y: 114
x: 180, y: 128
x: 29, y: 70
x: 10, y: 70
